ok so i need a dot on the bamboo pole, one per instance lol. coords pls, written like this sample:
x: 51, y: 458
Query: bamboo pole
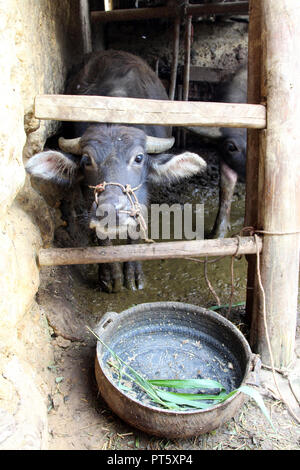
x: 232, y: 8
x: 187, y: 63
x: 146, y: 111
x: 108, y: 5
x: 146, y: 251
x: 85, y: 26
x: 279, y: 176
x: 176, y: 38
x: 187, y: 57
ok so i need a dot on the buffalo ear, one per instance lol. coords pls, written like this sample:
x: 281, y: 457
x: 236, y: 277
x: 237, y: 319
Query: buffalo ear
x: 168, y: 168
x: 51, y: 165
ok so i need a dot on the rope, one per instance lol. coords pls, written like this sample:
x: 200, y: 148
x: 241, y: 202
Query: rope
x: 136, y: 210
x: 219, y: 258
x: 265, y: 232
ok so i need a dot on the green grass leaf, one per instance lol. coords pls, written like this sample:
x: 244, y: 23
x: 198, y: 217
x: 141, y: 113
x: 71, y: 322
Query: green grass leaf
x: 255, y: 395
x: 189, y: 399
x: 188, y: 383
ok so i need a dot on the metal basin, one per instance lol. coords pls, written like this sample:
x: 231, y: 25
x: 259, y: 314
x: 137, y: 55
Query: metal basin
x: 168, y: 340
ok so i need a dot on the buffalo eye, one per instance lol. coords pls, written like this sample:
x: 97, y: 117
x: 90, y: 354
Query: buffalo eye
x: 86, y: 161
x: 139, y: 158
x: 231, y: 147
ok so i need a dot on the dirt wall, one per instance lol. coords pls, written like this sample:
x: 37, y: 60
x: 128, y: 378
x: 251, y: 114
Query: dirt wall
x: 39, y: 41
x: 216, y: 42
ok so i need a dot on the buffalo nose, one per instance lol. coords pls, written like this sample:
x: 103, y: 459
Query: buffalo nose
x: 111, y: 203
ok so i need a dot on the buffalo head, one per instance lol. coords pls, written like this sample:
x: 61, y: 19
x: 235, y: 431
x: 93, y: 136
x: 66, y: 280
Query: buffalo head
x: 113, y: 154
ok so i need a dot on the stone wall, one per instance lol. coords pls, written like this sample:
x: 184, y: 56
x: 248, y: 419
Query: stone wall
x: 39, y: 42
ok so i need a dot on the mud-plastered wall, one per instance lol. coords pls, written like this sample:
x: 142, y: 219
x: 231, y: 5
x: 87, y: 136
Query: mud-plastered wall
x: 39, y: 40
x: 218, y: 42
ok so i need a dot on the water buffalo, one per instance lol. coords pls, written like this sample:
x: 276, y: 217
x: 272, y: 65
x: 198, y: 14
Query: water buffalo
x: 119, y: 154
x: 232, y: 146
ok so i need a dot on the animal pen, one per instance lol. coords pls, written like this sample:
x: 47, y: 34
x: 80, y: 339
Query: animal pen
x: 270, y: 238
x: 272, y: 187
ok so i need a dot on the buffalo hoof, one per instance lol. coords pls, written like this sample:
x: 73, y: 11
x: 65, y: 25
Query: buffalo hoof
x: 133, y: 275
x: 110, y: 277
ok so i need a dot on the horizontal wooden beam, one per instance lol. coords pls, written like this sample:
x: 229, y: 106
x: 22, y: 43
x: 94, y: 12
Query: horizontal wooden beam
x: 146, y: 251
x: 134, y: 14
x: 143, y: 111
x: 220, y: 9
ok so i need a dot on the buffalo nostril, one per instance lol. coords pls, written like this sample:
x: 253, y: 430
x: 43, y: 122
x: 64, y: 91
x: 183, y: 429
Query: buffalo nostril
x: 110, y: 206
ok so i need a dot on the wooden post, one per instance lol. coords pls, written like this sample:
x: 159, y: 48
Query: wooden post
x: 85, y: 26
x: 108, y: 5
x: 187, y: 64
x: 176, y: 38
x: 279, y: 177
x: 254, y: 97
x: 187, y: 57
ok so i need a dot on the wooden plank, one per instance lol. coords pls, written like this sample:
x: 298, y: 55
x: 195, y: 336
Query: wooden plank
x: 138, y: 111
x: 230, y: 8
x: 279, y: 191
x: 146, y: 251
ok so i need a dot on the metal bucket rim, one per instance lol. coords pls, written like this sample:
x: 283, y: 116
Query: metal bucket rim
x: 203, y: 311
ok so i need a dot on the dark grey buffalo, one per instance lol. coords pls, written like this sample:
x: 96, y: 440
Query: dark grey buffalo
x: 118, y: 154
x: 232, y: 146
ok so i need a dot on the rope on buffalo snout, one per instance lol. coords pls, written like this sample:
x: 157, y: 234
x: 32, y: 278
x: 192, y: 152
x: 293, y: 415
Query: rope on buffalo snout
x: 135, y: 211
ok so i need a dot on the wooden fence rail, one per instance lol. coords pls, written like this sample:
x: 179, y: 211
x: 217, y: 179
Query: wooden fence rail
x: 146, y: 251
x: 146, y: 111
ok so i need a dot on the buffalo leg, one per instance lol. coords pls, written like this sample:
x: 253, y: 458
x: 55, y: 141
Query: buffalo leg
x: 228, y: 179
x: 110, y: 274
x: 133, y: 273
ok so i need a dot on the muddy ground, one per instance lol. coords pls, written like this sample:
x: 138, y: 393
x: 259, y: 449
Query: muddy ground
x: 78, y: 416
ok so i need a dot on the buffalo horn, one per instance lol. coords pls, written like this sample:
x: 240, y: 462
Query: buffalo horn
x: 158, y: 144
x: 70, y: 145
